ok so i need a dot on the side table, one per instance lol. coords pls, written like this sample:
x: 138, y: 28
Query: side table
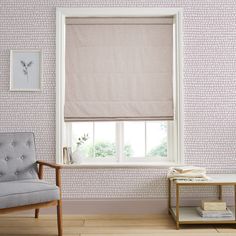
x: 189, y: 215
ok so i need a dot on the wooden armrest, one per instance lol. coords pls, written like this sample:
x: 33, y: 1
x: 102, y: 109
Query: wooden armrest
x: 52, y: 165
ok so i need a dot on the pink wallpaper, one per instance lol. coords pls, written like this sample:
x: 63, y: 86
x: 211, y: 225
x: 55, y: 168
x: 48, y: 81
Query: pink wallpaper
x: 209, y: 92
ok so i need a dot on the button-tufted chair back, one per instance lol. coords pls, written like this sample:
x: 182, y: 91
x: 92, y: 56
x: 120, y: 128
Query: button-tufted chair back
x: 17, y: 157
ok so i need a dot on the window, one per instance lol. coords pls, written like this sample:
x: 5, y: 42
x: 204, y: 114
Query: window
x: 129, y: 141
x: 121, y: 125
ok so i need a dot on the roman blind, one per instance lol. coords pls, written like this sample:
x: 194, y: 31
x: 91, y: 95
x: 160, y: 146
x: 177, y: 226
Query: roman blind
x: 119, y: 69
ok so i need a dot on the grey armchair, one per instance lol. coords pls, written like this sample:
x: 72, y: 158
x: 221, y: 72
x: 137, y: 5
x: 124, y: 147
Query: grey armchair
x: 21, y: 184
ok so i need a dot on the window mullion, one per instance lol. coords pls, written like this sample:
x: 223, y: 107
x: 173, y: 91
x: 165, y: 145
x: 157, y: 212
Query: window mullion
x: 119, y: 141
x: 93, y: 139
x: 145, y: 123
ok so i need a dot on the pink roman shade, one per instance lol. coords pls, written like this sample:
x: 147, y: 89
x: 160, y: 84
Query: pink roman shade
x: 119, y: 69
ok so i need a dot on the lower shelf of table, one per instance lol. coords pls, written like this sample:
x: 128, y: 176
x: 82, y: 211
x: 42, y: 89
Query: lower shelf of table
x: 189, y: 215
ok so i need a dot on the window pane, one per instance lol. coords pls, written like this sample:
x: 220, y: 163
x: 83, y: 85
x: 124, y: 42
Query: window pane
x: 105, y: 139
x: 79, y: 129
x: 134, y: 139
x: 101, y: 142
x: 156, y: 139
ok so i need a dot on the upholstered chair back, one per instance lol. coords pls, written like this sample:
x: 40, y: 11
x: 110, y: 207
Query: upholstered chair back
x: 17, y: 157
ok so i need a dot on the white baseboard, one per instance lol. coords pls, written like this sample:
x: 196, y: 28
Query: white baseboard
x: 119, y: 206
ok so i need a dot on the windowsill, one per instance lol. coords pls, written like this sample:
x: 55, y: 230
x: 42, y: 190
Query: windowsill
x: 121, y: 165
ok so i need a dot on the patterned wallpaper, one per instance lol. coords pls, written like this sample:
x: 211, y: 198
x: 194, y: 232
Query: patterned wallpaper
x: 209, y: 92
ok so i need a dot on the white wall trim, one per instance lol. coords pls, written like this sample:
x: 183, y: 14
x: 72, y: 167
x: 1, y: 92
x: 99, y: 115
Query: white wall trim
x: 127, y: 207
x: 180, y: 88
x: 60, y: 78
x: 62, y: 13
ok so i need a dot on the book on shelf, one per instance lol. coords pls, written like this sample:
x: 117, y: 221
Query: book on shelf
x: 189, y: 169
x: 64, y: 155
x: 213, y: 205
x: 67, y: 155
x: 214, y: 214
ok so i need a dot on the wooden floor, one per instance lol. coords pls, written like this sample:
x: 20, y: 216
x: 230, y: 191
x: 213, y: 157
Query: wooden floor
x: 107, y: 226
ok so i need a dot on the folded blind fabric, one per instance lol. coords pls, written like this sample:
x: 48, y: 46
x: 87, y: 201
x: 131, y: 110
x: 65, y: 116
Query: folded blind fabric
x: 119, y: 68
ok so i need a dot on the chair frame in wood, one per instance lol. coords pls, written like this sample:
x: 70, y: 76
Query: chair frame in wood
x: 37, y: 206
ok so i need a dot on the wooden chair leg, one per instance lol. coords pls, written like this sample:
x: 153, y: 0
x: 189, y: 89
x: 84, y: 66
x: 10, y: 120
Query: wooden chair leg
x: 59, y: 218
x: 36, y: 213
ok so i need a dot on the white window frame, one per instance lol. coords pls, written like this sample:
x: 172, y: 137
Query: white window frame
x: 175, y: 130
x: 119, y: 141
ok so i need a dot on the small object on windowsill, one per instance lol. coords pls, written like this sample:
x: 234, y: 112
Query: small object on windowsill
x: 78, y: 154
x: 214, y: 214
x: 214, y: 205
x: 67, y: 155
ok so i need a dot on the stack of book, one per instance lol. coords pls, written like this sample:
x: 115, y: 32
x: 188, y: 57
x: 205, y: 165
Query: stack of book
x: 214, y: 209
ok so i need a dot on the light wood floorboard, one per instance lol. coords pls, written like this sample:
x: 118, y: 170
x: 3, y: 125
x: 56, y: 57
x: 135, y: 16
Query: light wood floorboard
x: 11, y: 225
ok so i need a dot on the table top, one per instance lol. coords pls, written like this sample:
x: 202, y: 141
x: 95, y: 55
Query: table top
x: 216, y: 179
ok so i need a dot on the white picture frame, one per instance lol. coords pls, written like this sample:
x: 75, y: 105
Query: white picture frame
x: 25, y: 70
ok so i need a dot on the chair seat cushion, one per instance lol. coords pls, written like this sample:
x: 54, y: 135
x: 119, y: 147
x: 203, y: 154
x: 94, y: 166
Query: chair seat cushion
x: 26, y: 192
